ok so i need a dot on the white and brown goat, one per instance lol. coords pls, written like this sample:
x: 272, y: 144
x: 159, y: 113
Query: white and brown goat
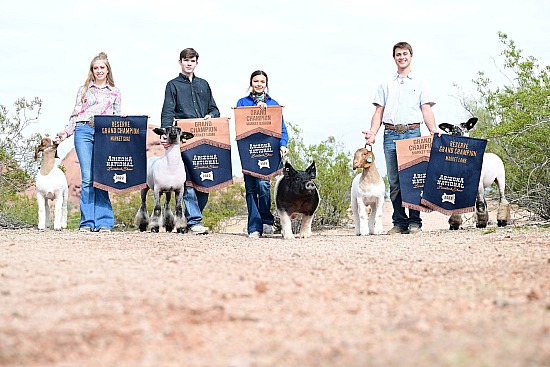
x: 492, y: 170
x: 367, y: 190
x: 51, y: 184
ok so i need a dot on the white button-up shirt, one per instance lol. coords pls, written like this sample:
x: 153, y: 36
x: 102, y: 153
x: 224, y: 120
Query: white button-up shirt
x: 402, y: 98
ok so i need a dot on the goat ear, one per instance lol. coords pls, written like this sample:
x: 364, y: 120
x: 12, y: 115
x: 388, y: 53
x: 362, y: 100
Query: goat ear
x: 38, y: 149
x: 159, y: 131
x: 311, y: 170
x: 186, y: 135
x: 448, y: 128
x: 470, y: 123
x: 370, y: 158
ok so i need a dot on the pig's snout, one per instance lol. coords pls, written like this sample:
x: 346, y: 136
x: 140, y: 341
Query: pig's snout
x: 310, y: 185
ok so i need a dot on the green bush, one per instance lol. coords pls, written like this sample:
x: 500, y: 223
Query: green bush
x: 516, y: 120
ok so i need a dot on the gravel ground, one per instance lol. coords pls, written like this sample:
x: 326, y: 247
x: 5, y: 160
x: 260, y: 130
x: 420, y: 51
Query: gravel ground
x: 438, y: 298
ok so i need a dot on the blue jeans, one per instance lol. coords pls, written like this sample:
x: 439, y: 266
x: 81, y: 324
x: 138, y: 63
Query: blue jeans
x: 194, y: 201
x: 95, y: 205
x: 258, y: 202
x: 399, y: 216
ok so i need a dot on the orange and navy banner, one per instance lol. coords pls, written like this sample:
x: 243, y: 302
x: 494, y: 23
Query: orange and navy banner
x: 120, y: 153
x: 452, y: 176
x: 258, y: 137
x: 413, y: 156
x: 207, y: 156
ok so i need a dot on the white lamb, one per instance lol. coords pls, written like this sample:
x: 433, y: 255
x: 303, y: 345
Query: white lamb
x: 165, y: 174
x: 51, y: 184
x: 367, y: 189
x: 492, y: 170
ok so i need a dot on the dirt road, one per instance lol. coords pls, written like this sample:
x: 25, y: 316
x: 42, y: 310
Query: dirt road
x: 438, y: 298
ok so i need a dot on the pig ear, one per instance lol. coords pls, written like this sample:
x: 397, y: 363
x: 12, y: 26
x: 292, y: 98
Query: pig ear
x: 311, y: 170
x: 159, y: 131
x: 288, y: 170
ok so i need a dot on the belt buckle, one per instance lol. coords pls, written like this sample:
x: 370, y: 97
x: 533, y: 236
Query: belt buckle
x: 91, y: 122
x: 400, y: 128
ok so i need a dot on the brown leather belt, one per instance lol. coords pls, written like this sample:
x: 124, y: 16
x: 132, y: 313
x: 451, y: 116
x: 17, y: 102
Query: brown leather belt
x: 400, y: 128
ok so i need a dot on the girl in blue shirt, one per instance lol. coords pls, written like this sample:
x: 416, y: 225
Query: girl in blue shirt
x: 258, y: 197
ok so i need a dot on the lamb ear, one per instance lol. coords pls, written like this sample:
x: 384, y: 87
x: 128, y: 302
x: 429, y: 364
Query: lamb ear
x: 448, y: 128
x: 311, y: 170
x: 159, y: 131
x: 186, y: 135
x: 470, y: 123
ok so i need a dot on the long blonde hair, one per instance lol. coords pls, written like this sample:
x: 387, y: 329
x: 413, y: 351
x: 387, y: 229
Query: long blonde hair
x: 102, y: 56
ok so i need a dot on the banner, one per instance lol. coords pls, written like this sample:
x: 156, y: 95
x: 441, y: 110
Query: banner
x: 207, y: 156
x: 258, y: 137
x: 452, y: 176
x: 413, y: 156
x: 120, y: 154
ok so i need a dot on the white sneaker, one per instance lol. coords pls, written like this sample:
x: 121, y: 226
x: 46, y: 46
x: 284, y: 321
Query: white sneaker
x: 268, y: 229
x: 198, y: 229
x: 254, y: 235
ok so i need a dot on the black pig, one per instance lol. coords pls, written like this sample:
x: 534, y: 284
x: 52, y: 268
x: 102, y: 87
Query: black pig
x: 296, y: 193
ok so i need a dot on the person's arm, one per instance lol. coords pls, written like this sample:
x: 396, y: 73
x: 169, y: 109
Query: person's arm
x: 168, y: 107
x: 69, y: 128
x: 429, y: 118
x: 212, y: 109
x: 375, y: 123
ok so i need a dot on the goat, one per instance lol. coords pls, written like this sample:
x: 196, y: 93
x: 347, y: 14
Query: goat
x: 165, y: 175
x: 492, y: 170
x: 51, y: 184
x: 367, y: 190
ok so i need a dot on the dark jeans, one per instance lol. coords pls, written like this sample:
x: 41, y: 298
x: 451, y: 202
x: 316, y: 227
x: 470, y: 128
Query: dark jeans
x: 399, y: 216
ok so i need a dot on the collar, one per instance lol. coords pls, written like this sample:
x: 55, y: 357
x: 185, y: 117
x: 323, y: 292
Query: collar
x: 186, y: 78
x: 251, y: 95
x: 108, y: 86
x: 408, y: 76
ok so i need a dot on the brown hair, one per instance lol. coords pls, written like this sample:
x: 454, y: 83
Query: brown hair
x: 403, y: 45
x: 188, y: 53
x: 102, y: 56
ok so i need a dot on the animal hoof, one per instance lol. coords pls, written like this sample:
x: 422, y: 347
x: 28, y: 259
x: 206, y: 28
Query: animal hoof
x: 169, y: 229
x: 453, y: 228
x: 142, y: 227
x: 180, y: 230
x: 154, y: 229
x: 481, y: 225
x: 502, y: 223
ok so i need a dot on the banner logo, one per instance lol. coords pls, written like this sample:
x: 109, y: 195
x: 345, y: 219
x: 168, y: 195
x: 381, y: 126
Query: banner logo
x: 448, y: 198
x: 207, y: 176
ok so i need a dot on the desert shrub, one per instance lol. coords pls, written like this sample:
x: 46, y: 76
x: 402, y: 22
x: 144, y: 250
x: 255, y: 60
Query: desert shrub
x: 516, y: 120
x: 226, y: 203
x: 334, y: 175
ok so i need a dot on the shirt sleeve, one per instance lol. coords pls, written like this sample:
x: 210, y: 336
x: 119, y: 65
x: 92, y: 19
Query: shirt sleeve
x: 426, y: 95
x: 380, y: 96
x: 69, y: 128
x: 168, y: 107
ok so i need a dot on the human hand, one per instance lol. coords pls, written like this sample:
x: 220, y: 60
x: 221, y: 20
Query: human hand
x: 284, y: 151
x: 207, y: 117
x: 262, y: 105
x: 62, y: 135
x: 370, y: 137
x: 164, y: 141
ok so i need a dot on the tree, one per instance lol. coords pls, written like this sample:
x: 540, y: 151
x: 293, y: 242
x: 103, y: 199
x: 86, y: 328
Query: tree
x: 516, y: 119
x: 334, y: 175
x: 17, y: 166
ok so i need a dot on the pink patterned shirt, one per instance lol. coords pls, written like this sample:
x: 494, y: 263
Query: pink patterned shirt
x: 98, y: 101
